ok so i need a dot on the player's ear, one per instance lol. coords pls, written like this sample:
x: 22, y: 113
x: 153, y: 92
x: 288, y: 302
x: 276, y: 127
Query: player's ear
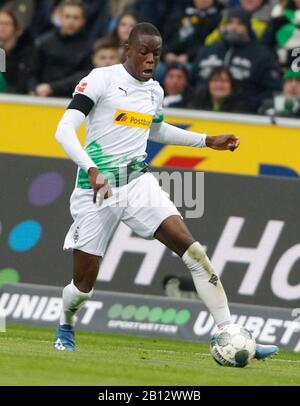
x: 127, y: 48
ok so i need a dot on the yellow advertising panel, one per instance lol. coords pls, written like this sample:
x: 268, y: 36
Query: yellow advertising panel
x: 30, y: 128
x: 261, y: 146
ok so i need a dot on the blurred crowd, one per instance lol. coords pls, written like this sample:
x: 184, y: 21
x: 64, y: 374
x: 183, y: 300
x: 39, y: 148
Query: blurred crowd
x: 218, y: 55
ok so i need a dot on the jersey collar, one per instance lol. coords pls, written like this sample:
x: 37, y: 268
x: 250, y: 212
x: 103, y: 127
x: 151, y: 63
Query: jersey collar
x: 132, y: 79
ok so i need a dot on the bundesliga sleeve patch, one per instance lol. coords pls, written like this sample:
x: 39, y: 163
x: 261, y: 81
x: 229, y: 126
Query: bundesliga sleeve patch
x: 132, y: 119
x: 81, y: 87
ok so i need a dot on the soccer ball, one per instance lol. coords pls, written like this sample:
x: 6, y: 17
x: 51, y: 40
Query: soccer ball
x: 233, y: 346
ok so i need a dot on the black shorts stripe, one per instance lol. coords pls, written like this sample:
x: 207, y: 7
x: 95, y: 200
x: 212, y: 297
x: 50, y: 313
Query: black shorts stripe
x: 82, y: 103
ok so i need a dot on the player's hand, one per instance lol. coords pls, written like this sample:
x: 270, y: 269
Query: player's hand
x: 99, y: 184
x: 223, y: 142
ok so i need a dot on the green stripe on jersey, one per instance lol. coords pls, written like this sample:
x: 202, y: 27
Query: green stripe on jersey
x: 116, y: 175
x: 159, y: 118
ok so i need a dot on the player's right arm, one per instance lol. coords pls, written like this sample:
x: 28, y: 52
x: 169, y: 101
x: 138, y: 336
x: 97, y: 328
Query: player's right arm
x: 86, y: 95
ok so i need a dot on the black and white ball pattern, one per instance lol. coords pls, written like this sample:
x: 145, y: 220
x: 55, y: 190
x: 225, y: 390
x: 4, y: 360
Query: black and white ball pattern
x: 233, y: 346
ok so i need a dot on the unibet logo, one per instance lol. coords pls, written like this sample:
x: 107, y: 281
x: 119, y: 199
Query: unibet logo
x: 150, y: 315
x: 132, y: 119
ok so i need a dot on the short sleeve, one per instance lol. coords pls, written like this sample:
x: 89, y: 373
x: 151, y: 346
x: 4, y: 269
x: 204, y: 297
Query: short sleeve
x: 92, y: 86
x: 159, y: 113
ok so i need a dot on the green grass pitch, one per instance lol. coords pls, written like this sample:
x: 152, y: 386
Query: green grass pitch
x: 27, y: 358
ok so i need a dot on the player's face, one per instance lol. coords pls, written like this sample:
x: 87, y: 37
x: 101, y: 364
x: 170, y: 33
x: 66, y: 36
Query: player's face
x: 143, y: 57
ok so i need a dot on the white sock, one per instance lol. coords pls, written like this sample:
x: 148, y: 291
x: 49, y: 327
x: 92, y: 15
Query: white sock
x: 72, y: 301
x: 207, y: 283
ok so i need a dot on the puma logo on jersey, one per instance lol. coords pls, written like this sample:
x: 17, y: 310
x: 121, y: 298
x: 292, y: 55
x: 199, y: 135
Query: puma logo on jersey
x: 132, y: 119
x: 124, y: 90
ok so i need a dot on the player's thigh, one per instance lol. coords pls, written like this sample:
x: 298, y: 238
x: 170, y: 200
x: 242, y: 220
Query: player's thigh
x: 93, y: 225
x: 148, y: 206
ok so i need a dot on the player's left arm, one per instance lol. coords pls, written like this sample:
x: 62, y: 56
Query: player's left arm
x: 169, y: 134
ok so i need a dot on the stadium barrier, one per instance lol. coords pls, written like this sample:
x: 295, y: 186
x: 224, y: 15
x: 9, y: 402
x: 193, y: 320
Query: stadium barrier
x: 146, y: 315
x: 269, y: 146
x: 250, y: 229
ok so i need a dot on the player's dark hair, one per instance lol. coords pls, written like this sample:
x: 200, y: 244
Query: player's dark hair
x: 142, y: 29
x: 75, y: 3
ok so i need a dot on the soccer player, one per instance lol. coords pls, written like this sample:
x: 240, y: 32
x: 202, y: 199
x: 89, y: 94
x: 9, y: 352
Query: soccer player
x: 123, y: 106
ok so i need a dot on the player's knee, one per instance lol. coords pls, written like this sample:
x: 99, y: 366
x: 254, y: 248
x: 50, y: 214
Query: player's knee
x: 196, y: 251
x: 182, y: 242
x: 84, y: 285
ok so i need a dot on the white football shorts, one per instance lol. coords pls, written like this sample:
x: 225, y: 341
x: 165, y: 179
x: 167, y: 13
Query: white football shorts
x: 141, y: 204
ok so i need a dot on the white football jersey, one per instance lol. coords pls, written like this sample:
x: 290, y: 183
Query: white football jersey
x: 119, y: 123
